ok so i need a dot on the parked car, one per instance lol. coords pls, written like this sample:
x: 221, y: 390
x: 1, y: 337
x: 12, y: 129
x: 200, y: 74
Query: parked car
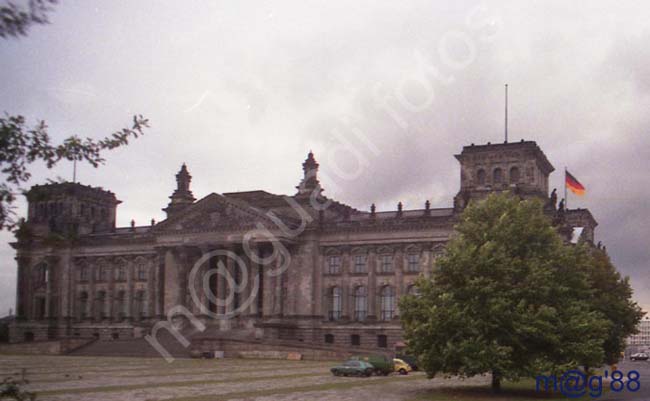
x: 411, y: 360
x: 382, y: 364
x: 639, y: 356
x: 401, y: 367
x: 353, y: 368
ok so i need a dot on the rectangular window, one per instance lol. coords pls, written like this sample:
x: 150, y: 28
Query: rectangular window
x: 413, y: 262
x: 382, y: 341
x: 386, y: 265
x: 355, y: 339
x: 141, y: 272
x: 333, y: 265
x: 360, y: 264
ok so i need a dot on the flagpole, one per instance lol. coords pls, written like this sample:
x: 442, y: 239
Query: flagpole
x: 566, y: 195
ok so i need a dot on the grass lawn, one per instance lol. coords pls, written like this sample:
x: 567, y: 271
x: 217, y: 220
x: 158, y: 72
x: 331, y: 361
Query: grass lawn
x: 523, y: 390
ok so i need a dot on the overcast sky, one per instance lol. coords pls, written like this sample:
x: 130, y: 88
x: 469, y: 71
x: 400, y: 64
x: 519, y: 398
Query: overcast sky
x: 241, y: 91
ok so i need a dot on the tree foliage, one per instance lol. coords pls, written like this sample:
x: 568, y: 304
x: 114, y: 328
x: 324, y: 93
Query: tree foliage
x: 613, y: 298
x: 509, y: 298
x: 11, y: 388
x: 20, y: 146
x: 15, y: 21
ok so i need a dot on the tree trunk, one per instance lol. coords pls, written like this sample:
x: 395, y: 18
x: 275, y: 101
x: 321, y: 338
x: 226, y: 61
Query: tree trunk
x: 496, y: 381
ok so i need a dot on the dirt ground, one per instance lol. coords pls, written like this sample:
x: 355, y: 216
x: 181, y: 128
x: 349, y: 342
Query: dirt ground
x: 65, y: 378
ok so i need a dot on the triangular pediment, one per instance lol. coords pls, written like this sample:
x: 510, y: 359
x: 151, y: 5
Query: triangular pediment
x: 215, y: 213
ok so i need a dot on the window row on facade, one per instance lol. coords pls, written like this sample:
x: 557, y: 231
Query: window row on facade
x: 360, y: 302
x: 497, y: 174
x: 44, y: 210
x: 105, y: 272
x: 117, y: 307
x: 385, y: 263
x: 355, y: 340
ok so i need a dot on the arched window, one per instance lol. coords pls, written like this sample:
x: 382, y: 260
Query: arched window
x: 412, y: 290
x: 102, y: 272
x: 480, y: 177
x: 41, y: 275
x: 120, y: 305
x: 101, y: 305
x: 120, y: 273
x: 83, y: 305
x: 139, y: 304
x: 83, y: 273
x: 497, y: 176
x: 141, y: 271
x: 387, y: 298
x: 514, y: 175
x: 360, y: 303
x: 335, y: 304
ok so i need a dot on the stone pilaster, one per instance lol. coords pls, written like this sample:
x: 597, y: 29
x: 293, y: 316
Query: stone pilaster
x: 22, y: 286
x: 345, y: 285
x: 372, y: 285
x: 130, y: 289
x: 400, y: 266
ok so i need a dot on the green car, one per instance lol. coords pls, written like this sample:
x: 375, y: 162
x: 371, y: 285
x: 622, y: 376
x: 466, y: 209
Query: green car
x: 381, y: 364
x: 353, y: 368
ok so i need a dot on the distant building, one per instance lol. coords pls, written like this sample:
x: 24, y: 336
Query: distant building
x: 79, y: 275
x: 642, y: 338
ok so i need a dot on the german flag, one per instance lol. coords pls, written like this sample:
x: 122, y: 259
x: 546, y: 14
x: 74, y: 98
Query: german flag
x: 573, y: 184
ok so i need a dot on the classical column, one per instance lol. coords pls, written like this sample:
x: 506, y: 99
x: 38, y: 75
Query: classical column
x: 156, y: 285
x: 253, y: 277
x: 200, y: 305
x: 372, y: 284
x: 182, y: 271
x: 277, y: 287
x: 230, y: 288
x: 269, y: 283
x: 221, y: 285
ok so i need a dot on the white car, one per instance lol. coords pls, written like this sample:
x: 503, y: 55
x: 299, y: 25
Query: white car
x: 639, y: 356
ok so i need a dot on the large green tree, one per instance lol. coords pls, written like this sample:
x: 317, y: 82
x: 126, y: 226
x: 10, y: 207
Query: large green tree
x: 509, y: 298
x: 612, y: 296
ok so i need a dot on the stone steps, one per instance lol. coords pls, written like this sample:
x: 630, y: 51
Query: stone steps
x: 138, y: 347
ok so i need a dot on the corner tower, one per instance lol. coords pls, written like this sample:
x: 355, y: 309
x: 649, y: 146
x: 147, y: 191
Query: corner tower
x: 69, y: 208
x: 309, y: 184
x: 182, y: 196
x: 519, y: 167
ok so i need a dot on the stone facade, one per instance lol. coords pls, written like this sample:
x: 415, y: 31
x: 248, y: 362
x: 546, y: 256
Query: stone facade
x: 300, y: 268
